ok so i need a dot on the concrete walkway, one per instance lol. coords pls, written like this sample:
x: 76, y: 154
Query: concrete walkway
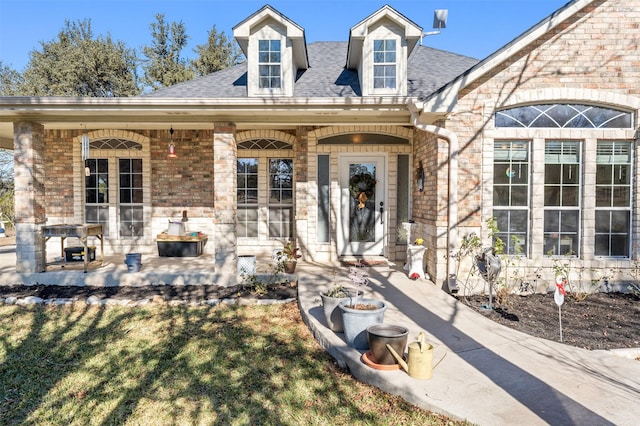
x: 491, y: 374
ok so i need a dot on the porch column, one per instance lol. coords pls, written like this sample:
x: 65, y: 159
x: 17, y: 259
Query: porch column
x: 225, y: 155
x: 30, y: 214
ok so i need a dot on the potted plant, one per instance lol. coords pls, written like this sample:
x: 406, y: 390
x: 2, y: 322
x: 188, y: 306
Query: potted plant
x: 358, y: 314
x: 287, y: 258
x: 331, y: 299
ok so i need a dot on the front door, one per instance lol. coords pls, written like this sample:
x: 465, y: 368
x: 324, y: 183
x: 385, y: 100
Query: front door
x: 362, y: 205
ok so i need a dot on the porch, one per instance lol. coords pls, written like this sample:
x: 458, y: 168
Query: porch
x: 155, y: 270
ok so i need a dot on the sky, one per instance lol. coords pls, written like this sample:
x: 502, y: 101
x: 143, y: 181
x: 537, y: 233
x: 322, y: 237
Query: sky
x: 475, y: 28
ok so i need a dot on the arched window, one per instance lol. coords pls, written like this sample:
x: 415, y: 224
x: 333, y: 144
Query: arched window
x: 576, y: 116
x: 264, y: 144
x: 115, y: 143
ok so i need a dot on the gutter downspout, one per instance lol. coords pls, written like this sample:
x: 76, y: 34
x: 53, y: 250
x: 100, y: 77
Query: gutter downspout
x: 452, y: 214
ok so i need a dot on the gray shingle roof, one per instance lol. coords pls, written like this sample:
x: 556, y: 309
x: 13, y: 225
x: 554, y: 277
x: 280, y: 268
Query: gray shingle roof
x: 429, y: 69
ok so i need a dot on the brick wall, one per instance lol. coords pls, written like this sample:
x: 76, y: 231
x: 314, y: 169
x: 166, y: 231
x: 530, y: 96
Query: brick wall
x: 187, y: 181
x: 591, y: 58
x: 587, y: 52
x: 58, y: 155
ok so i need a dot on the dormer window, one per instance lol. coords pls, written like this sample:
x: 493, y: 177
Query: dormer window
x: 384, y: 64
x: 269, y: 64
x: 276, y: 52
x: 379, y: 49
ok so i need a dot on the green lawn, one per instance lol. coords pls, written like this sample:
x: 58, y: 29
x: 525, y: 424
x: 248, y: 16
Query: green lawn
x: 159, y: 365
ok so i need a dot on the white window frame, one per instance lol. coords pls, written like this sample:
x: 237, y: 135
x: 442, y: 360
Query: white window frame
x: 271, y: 64
x: 263, y: 156
x: 515, y: 167
x: 568, y: 243
x: 130, y: 145
x: 99, y: 206
x: 283, y: 225
x: 243, y: 178
x: 136, y: 205
x: 611, y: 209
x: 384, y: 64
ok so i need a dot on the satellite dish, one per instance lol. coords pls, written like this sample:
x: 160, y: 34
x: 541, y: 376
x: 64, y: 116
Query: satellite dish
x: 440, y: 18
x: 439, y: 22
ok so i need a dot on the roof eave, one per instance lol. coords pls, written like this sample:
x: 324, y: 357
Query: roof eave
x: 201, y: 113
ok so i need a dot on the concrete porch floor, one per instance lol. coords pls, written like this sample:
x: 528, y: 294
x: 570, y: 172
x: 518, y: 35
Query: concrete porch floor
x: 113, y: 271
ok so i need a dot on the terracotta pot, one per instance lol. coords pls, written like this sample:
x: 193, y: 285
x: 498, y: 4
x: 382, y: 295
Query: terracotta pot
x: 290, y: 266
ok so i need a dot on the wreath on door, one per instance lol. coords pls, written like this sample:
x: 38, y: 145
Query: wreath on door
x: 362, y: 187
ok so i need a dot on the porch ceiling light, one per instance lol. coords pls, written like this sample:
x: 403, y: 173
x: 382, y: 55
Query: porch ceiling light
x: 172, y: 146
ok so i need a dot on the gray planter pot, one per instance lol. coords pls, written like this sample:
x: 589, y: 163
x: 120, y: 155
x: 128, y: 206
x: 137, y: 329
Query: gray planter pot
x: 380, y: 335
x: 332, y: 313
x: 356, y: 321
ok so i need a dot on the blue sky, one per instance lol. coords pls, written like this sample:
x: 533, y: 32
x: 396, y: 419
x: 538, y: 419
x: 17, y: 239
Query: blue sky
x: 475, y: 28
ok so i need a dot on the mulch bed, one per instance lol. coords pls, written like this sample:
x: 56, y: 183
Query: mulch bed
x: 188, y: 293
x: 601, y: 321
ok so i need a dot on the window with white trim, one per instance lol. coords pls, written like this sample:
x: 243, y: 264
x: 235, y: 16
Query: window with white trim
x: 265, y: 176
x: 613, y: 199
x: 131, y: 197
x: 511, y: 194
x: 562, y: 183
x: 247, y: 193
x: 384, y: 64
x: 280, y: 198
x: 96, y: 192
x: 269, y: 64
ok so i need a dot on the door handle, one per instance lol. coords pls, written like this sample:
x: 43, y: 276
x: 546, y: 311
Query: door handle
x: 381, y: 212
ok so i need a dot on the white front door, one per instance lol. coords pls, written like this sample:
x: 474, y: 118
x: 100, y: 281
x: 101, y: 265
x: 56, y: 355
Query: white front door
x: 362, y: 224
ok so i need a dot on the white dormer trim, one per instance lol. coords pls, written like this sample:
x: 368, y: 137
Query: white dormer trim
x: 269, y: 24
x: 384, y: 24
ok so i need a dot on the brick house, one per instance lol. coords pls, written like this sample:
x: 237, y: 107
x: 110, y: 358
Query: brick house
x: 337, y: 144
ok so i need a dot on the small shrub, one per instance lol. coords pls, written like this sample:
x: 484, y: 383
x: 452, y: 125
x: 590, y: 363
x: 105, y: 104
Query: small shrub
x: 469, y: 247
x: 562, y: 267
x: 260, y: 289
x: 336, y: 291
